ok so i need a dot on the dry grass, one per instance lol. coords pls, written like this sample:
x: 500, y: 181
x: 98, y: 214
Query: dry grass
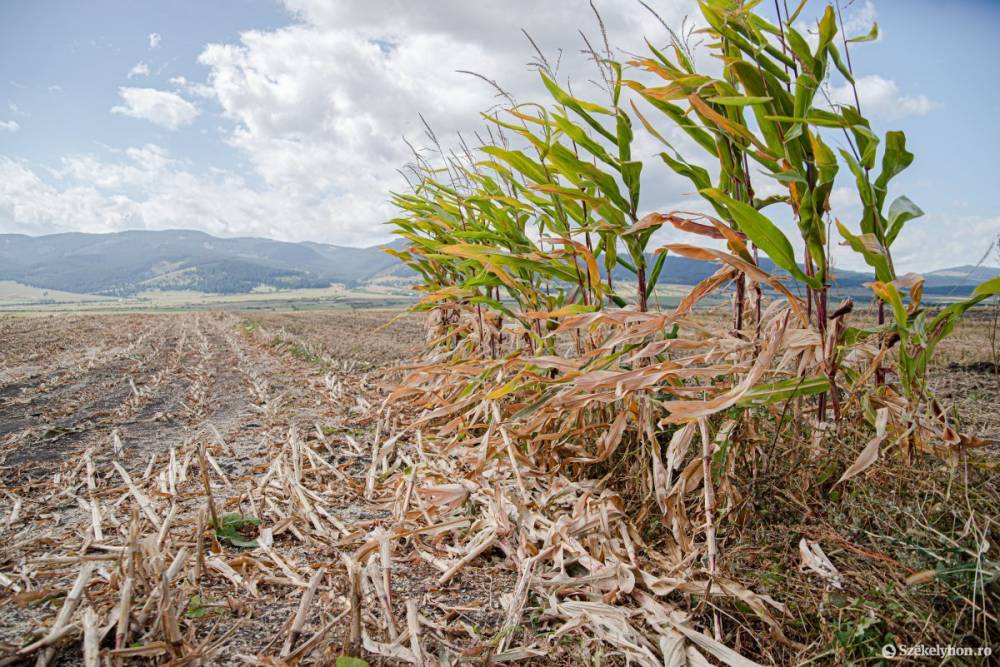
x: 907, y: 539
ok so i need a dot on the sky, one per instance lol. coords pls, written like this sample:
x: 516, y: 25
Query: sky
x: 287, y: 119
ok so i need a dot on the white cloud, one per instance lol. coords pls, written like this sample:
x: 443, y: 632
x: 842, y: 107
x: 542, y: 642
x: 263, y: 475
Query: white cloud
x: 163, y: 108
x: 859, y: 20
x: 144, y: 188
x: 55, y: 88
x: 154, y: 40
x: 139, y: 69
x: 319, y: 113
x: 192, y: 87
x: 140, y: 168
x: 9, y: 125
x: 320, y: 110
x: 923, y: 247
x: 881, y: 98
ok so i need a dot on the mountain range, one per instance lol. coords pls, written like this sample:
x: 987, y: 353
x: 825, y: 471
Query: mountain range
x: 124, y: 263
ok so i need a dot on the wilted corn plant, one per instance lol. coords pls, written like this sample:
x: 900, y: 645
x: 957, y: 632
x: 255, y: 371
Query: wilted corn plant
x: 541, y: 377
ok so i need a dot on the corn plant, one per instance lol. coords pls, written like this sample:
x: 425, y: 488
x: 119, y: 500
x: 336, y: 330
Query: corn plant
x: 542, y: 363
x: 522, y: 230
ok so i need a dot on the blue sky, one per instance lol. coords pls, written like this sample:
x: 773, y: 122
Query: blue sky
x: 285, y: 119
x: 63, y: 64
x: 945, y: 51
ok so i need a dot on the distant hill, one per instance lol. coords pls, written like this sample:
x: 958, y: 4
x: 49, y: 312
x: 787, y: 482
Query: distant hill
x: 127, y: 262
x: 957, y: 280
x: 683, y: 271
x: 124, y: 263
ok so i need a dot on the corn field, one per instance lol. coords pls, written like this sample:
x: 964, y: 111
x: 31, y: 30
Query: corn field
x: 570, y: 420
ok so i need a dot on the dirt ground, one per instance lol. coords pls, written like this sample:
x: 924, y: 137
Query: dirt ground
x: 150, y: 385
x: 71, y: 382
x: 133, y: 388
x: 966, y: 376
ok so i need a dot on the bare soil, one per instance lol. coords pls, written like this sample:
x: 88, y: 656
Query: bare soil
x: 73, y: 384
x: 966, y: 377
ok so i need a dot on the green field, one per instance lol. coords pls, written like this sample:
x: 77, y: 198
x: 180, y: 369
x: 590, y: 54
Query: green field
x: 15, y: 297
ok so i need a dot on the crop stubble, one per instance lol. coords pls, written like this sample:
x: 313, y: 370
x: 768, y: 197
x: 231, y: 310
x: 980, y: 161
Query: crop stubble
x: 165, y: 384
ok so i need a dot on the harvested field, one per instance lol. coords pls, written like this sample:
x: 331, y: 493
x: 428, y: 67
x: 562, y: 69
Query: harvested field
x: 157, y: 388
x: 967, y: 378
x: 111, y: 426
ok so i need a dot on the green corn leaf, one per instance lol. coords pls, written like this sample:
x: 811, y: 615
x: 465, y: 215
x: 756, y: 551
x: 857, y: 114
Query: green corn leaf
x: 519, y: 161
x: 738, y: 101
x: 649, y: 126
x: 783, y: 390
x: 582, y: 109
x: 628, y: 265
x: 697, y: 175
x: 349, y: 661
x: 677, y: 115
x: 728, y: 127
x: 868, y: 247
x: 482, y: 279
x: 625, y: 136
x: 806, y: 86
x: 492, y: 303
x: 233, y: 526
x: 892, y: 296
x: 617, y: 93
x: 756, y: 83
x: 579, y: 137
x: 761, y: 204
x: 987, y: 289
x: 578, y: 171
x: 827, y: 31
x: 197, y: 607
x: 765, y: 234
x: 865, y: 139
x: 825, y: 160
x: 631, y: 175
x: 655, y: 275
x: 790, y: 176
x: 895, y: 159
x: 901, y: 211
x: 944, y: 323
x: 800, y: 48
x: 870, y: 37
x: 814, y: 117
x: 844, y: 70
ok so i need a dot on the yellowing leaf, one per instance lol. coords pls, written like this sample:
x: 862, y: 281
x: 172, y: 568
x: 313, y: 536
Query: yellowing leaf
x: 868, y: 455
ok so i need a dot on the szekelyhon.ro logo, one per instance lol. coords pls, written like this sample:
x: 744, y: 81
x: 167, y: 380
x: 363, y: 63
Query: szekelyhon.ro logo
x: 921, y: 650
